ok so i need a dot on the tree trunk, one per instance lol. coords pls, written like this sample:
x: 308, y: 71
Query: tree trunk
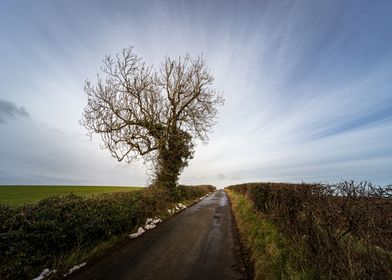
x: 172, y: 158
x: 169, y: 168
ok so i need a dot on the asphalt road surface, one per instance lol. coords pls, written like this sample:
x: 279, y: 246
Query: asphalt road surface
x: 196, y: 244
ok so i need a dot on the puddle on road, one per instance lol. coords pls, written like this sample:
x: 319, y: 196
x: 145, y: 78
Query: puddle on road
x: 209, y: 200
x: 223, y: 200
x: 217, y: 198
x: 217, y: 216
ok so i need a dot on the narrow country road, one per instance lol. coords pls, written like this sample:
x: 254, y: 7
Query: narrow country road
x: 196, y: 244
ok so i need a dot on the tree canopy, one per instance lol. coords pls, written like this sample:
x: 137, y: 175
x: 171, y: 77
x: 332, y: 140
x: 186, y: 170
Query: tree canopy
x: 154, y: 114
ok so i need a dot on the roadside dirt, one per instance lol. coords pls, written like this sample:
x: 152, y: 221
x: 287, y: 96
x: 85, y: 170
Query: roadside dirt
x: 196, y: 244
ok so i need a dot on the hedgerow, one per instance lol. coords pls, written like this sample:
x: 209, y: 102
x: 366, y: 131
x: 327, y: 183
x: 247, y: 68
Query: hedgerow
x: 36, y: 236
x: 345, y: 229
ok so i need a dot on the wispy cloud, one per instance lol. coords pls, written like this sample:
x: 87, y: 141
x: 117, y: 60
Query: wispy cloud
x: 9, y: 110
x: 307, y: 84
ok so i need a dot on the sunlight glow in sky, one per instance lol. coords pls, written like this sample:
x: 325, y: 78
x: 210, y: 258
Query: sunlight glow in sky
x: 307, y: 84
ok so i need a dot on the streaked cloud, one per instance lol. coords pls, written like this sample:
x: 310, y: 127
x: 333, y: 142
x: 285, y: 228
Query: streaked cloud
x: 307, y: 86
x: 9, y: 110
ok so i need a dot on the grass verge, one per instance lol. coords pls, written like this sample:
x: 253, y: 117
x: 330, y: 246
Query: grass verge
x: 269, y: 250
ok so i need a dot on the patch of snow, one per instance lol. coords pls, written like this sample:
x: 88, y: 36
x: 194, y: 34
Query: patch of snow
x: 174, y: 210
x: 140, y: 231
x: 154, y: 220
x: 149, y: 226
x: 74, y: 268
x: 151, y: 222
x: 177, y: 208
x: 45, y: 273
x: 181, y: 206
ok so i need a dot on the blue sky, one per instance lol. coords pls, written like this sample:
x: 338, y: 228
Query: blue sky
x: 307, y: 84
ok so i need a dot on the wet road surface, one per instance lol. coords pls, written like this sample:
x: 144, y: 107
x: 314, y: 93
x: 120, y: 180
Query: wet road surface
x: 196, y: 244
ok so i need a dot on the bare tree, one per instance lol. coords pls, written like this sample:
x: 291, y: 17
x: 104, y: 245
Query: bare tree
x: 152, y: 114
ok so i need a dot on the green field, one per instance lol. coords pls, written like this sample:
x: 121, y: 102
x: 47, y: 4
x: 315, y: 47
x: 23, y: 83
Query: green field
x: 17, y: 195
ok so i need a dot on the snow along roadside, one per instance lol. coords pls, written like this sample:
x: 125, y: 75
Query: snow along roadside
x: 149, y: 224
x: 152, y: 222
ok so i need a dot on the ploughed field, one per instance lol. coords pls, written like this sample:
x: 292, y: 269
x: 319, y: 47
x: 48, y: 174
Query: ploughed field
x: 18, y: 195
